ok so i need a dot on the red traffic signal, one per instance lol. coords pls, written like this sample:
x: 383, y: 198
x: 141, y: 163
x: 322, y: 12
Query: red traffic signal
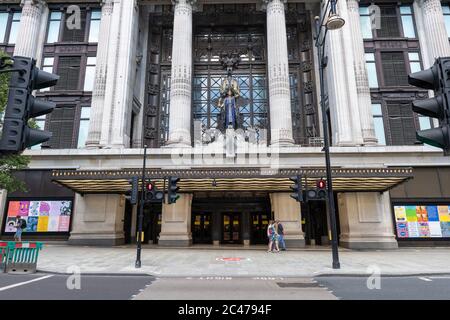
x: 321, y: 184
x: 149, y: 186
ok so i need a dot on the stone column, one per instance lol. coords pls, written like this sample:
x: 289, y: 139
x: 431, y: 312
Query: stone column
x: 288, y: 211
x: 181, y: 76
x: 366, y: 221
x: 176, y: 223
x: 341, y: 85
x: 125, y: 75
x: 30, y: 22
x: 362, y: 81
x: 3, y: 197
x: 98, y: 94
x: 278, y: 71
x: 98, y: 220
x: 435, y: 31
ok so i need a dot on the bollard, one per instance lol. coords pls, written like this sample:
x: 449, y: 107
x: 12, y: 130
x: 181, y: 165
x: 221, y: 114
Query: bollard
x: 3, y: 255
x: 22, y: 257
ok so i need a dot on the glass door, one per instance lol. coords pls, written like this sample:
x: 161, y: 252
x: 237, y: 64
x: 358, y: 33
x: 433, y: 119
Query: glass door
x: 231, y: 228
x: 259, y: 225
x: 201, y: 228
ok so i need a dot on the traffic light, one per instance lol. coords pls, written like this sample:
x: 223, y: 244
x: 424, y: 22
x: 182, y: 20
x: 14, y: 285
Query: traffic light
x: 173, y: 189
x: 134, y: 190
x: 436, y: 78
x: 152, y: 194
x: 297, y: 188
x: 23, y: 106
x: 319, y: 193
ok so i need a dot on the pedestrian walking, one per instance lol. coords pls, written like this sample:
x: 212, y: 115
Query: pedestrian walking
x: 21, y: 224
x: 275, y: 237
x: 280, y: 231
x: 272, y: 236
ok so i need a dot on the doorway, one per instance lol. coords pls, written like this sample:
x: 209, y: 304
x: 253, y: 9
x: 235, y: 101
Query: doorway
x: 259, y: 225
x: 201, y: 228
x: 231, y: 223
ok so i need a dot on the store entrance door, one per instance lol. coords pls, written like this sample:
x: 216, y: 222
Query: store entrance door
x: 231, y: 228
x: 259, y: 225
x: 201, y: 228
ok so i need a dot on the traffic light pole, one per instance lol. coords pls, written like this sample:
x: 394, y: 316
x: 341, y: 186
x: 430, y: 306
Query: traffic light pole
x: 141, y: 213
x: 320, y: 44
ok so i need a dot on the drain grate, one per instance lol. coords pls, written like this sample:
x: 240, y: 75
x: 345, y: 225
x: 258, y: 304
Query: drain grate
x: 298, y: 285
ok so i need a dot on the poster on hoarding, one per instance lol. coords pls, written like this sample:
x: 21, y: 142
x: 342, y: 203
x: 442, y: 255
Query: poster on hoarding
x: 41, y: 215
x: 422, y: 221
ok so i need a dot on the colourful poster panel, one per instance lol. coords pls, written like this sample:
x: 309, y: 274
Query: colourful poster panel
x: 444, y: 213
x: 400, y: 213
x: 40, y: 215
x: 422, y: 221
x: 411, y: 215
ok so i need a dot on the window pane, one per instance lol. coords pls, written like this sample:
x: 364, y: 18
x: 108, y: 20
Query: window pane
x: 408, y: 27
x: 415, y: 66
x: 379, y: 130
x: 89, y: 79
x: 405, y: 10
x: 376, y: 109
x: 49, y: 61
x: 372, y: 74
x: 3, y: 23
x: 53, y: 31
x: 56, y: 16
x: 447, y: 24
x: 96, y: 15
x: 363, y: 10
x: 83, y: 133
x: 424, y: 123
x: 14, y: 31
x: 366, y: 27
x: 85, y: 113
x: 94, y: 31
x: 446, y: 9
x: 413, y: 56
x: 370, y: 57
x: 92, y: 61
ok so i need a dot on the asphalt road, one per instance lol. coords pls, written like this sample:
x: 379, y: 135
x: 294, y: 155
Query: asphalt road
x: 390, y: 288
x: 63, y: 287
x: 127, y: 287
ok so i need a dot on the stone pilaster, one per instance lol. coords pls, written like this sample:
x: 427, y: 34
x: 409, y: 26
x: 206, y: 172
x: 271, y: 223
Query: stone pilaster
x: 30, y: 22
x: 366, y: 221
x: 176, y: 223
x: 98, y: 94
x: 98, y: 220
x: 341, y: 83
x: 435, y: 31
x: 362, y: 82
x: 181, y: 76
x: 288, y: 211
x: 3, y: 197
x: 125, y: 74
x: 278, y: 71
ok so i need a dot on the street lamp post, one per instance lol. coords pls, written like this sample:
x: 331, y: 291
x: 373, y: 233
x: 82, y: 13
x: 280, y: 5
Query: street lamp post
x: 141, y: 213
x: 333, y: 22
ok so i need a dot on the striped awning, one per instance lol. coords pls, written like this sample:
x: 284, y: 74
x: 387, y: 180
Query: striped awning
x: 253, y: 179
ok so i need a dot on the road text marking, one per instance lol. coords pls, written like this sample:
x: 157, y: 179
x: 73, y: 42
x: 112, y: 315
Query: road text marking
x: 25, y: 283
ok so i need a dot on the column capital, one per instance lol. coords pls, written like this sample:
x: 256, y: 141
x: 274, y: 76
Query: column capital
x: 189, y: 2
x: 36, y: 3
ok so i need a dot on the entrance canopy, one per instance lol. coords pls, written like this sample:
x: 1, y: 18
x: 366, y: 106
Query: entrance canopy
x: 252, y: 179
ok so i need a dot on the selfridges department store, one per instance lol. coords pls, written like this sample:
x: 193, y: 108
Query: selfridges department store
x: 225, y: 94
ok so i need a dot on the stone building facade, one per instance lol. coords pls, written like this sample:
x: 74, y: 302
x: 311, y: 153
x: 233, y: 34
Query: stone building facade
x: 148, y: 72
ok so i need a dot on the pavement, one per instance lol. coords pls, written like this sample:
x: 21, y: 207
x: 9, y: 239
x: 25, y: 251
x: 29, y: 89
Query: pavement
x: 199, y: 262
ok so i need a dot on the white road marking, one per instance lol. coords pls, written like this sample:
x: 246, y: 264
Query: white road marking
x: 24, y: 283
x: 440, y: 277
x: 425, y: 279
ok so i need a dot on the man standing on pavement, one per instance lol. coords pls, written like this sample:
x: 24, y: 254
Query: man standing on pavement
x: 281, y: 236
x: 20, y: 225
